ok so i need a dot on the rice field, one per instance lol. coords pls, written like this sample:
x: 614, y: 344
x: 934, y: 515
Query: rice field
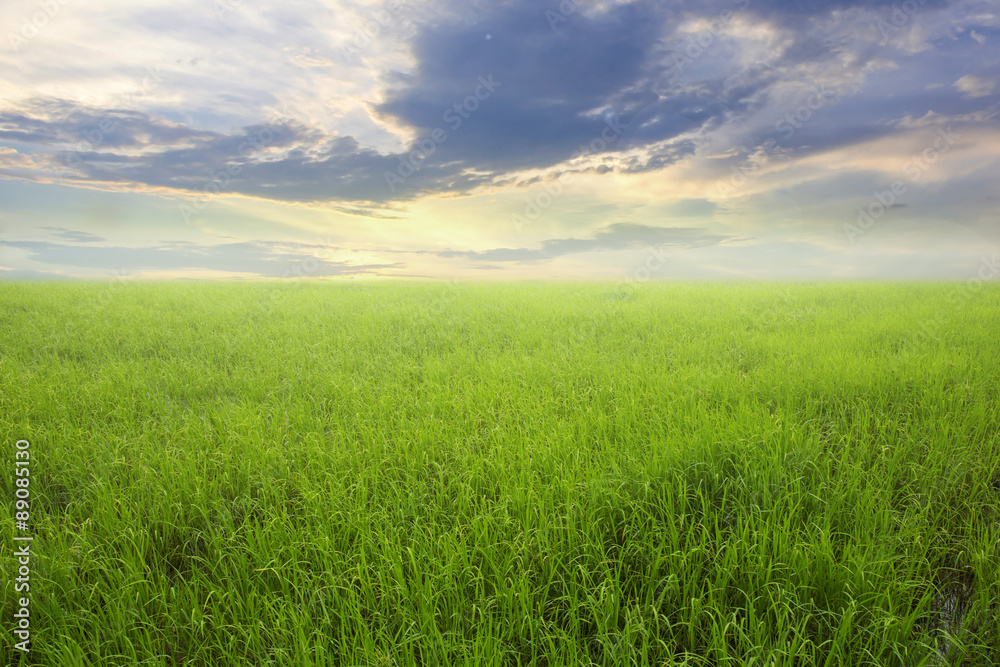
x: 505, y: 473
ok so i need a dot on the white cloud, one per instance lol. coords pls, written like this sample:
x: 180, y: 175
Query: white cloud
x: 975, y: 86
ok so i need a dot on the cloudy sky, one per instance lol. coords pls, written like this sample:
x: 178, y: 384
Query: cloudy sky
x: 499, y: 139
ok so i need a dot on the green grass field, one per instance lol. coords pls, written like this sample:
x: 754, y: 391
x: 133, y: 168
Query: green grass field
x: 505, y: 474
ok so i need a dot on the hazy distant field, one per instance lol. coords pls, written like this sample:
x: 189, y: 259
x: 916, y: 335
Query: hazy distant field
x: 463, y: 474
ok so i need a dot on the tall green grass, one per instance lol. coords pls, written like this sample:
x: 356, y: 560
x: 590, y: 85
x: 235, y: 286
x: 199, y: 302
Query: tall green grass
x: 506, y: 474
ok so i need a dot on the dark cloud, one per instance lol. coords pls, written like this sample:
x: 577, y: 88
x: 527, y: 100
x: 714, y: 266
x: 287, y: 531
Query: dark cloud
x: 600, y: 83
x: 597, y: 81
x: 58, y: 123
x: 619, y: 236
x: 281, y: 160
x: 795, y: 12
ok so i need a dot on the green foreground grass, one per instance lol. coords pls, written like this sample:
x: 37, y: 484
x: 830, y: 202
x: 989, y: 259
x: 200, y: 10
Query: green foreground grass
x: 522, y: 474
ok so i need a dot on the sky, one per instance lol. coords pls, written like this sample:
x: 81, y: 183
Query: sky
x: 521, y: 139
